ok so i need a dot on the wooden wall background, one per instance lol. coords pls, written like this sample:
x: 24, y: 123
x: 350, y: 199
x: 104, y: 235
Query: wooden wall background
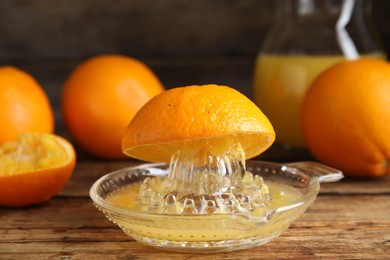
x: 185, y: 42
x: 58, y: 28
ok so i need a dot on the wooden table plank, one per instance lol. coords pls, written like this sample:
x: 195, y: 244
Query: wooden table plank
x: 342, y: 227
x: 349, y: 220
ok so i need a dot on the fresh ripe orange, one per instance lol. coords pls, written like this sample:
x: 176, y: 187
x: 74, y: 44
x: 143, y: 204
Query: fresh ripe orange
x: 346, y: 117
x: 195, y: 117
x: 24, y: 106
x: 34, y: 168
x: 101, y: 96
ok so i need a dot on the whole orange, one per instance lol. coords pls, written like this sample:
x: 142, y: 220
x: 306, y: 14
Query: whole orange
x: 346, y: 117
x: 101, y: 96
x: 217, y: 119
x: 24, y: 106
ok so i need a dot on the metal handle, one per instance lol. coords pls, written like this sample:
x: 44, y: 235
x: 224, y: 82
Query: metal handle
x: 322, y: 172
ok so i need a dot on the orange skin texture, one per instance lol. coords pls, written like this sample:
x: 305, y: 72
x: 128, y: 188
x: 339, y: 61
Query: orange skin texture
x: 24, y: 106
x: 36, y: 187
x: 101, y: 96
x: 346, y: 117
x: 194, y: 113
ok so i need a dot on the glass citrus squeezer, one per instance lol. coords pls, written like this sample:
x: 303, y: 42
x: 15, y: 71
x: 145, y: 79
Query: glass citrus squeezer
x: 307, y: 37
x: 224, y: 206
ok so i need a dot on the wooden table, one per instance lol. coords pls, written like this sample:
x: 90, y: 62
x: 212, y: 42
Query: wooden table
x: 349, y: 220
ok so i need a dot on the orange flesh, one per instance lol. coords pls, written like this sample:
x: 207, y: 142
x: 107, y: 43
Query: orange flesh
x: 31, y: 154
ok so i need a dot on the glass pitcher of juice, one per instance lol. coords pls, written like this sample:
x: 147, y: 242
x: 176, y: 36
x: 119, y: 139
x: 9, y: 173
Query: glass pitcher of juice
x: 308, y: 36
